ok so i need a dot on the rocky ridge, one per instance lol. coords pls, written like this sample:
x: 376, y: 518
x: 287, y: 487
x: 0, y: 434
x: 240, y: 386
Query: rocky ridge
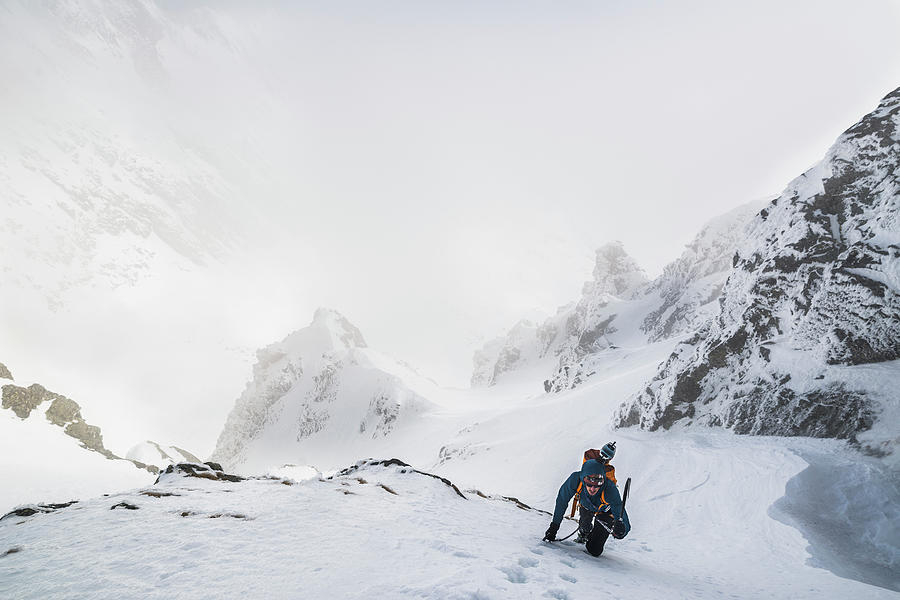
x: 60, y: 411
x: 815, y: 289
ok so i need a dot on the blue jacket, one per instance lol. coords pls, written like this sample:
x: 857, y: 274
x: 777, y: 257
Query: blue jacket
x: 607, y: 498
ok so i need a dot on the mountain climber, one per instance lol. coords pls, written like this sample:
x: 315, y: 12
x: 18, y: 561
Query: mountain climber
x: 600, y: 505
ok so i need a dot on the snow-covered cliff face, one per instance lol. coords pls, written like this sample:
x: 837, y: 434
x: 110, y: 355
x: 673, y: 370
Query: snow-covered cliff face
x: 319, y: 384
x: 815, y: 290
x: 689, y: 287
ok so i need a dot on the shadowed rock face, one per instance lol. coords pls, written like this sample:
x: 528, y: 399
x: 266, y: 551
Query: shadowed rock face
x: 815, y: 285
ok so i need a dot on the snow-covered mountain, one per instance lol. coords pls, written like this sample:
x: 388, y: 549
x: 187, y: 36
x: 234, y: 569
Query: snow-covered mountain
x: 58, y: 455
x: 574, y: 332
x: 319, y: 385
x: 621, y: 308
x: 807, y: 336
x: 689, y: 287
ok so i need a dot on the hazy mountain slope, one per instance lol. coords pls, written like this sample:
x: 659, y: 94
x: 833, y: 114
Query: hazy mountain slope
x: 689, y: 286
x: 319, y: 390
x: 100, y: 188
x: 813, y: 300
x: 621, y: 308
x: 574, y: 332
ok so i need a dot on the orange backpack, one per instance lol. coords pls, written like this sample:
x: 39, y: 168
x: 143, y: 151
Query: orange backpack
x: 593, y: 454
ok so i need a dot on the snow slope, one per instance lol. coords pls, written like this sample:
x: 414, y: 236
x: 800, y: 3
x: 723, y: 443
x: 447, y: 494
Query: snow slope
x: 714, y: 514
x: 388, y: 531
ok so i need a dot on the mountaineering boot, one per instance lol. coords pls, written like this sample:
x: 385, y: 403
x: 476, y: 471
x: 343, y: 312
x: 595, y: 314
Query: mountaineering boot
x: 582, y: 536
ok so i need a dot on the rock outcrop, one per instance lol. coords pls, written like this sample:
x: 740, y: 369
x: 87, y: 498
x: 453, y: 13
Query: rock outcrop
x: 62, y: 412
x: 32, y: 401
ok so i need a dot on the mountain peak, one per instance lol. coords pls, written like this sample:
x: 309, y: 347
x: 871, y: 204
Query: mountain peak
x: 615, y: 271
x: 344, y: 334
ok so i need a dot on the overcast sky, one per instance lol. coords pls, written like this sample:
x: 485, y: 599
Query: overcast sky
x: 435, y: 171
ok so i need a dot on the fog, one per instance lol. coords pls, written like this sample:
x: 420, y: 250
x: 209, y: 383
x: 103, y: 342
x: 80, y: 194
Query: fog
x: 184, y: 183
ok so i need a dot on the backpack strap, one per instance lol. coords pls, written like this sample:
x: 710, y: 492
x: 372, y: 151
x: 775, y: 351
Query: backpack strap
x: 593, y: 454
x: 575, y: 500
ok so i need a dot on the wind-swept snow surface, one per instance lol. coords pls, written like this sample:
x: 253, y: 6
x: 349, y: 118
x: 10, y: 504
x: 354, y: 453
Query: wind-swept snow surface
x: 393, y: 532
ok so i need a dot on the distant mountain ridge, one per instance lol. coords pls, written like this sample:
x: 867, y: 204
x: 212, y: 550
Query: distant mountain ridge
x: 620, y: 306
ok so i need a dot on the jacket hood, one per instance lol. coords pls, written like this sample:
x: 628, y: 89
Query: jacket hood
x: 592, y: 467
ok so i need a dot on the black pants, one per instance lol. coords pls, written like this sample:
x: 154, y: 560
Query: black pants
x: 594, y: 530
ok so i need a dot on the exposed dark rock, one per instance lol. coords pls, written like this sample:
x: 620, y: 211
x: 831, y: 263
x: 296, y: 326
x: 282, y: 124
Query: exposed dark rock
x: 4, y: 372
x: 33, y: 509
x: 201, y: 471
x: 515, y: 501
x: 12, y: 550
x: 815, y: 276
x: 22, y: 512
x: 396, y: 462
x: 125, y: 505
x: 156, y: 494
